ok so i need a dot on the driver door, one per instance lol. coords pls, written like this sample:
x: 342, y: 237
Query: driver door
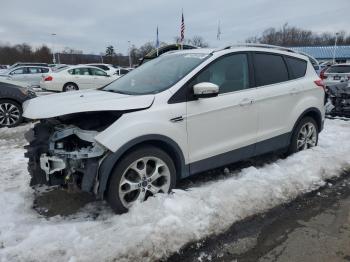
x: 222, y: 129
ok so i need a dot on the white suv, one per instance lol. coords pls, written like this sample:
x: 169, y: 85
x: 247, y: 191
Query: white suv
x: 182, y: 113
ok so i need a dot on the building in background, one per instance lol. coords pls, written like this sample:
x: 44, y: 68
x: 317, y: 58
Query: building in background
x: 326, y: 53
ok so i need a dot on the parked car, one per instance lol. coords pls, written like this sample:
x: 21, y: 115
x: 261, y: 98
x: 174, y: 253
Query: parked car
x: 30, y: 75
x: 57, y: 67
x: 122, y: 71
x: 12, y: 95
x: 3, y: 70
x: 338, y: 103
x: 336, y: 74
x: 167, y: 48
x: 109, y: 69
x: 28, y: 64
x: 180, y: 114
x: 75, y: 78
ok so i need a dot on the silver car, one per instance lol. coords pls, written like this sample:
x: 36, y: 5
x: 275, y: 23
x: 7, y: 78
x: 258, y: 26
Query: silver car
x: 336, y: 74
x: 31, y: 75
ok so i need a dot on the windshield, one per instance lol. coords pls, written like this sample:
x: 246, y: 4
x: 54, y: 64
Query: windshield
x: 339, y: 69
x: 157, y: 75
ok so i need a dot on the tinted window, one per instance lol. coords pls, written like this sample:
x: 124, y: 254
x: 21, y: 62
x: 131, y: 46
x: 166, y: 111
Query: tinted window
x: 297, y: 67
x: 44, y: 70
x: 230, y: 73
x: 123, y: 71
x: 269, y: 69
x: 339, y: 69
x: 97, y: 72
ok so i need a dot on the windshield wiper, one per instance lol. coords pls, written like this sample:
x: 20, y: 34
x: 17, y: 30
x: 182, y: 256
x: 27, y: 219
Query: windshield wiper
x: 115, y: 91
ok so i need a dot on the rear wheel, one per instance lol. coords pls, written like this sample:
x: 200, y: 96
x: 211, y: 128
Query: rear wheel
x: 70, y: 87
x: 304, y: 136
x: 139, y: 175
x: 10, y: 113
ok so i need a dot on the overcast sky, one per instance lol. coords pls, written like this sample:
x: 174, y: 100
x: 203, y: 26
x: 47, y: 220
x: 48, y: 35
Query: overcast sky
x: 92, y: 25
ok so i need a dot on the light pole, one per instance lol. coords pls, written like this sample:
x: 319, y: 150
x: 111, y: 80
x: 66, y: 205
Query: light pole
x: 129, y: 54
x: 335, y: 46
x: 53, y: 48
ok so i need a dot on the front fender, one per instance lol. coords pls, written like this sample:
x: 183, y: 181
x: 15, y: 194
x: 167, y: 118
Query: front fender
x: 108, y: 163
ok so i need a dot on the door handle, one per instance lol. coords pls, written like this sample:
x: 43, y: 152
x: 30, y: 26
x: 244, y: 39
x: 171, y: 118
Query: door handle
x: 246, y: 102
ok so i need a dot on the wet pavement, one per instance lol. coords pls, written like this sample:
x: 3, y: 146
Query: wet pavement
x: 314, y: 227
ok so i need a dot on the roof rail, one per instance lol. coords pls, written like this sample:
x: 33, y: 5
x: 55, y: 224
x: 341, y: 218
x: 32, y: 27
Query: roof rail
x: 257, y: 45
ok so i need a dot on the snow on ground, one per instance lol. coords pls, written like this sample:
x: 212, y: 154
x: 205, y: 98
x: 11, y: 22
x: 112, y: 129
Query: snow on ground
x: 162, y: 224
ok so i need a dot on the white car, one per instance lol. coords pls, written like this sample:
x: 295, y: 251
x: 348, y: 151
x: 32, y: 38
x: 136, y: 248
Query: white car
x: 30, y: 75
x: 76, y: 78
x: 336, y: 74
x: 109, y: 69
x: 180, y: 114
x: 122, y: 71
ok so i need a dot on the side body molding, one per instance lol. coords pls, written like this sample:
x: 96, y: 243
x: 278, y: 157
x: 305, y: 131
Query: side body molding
x: 112, y: 158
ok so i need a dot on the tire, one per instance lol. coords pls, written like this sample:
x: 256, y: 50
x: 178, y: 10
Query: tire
x: 70, y: 87
x: 10, y: 113
x: 299, y: 135
x: 131, y: 180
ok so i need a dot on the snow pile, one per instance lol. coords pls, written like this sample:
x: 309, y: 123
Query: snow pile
x: 162, y: 224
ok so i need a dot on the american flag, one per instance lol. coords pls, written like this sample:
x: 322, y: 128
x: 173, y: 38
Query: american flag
x: 182, y: 28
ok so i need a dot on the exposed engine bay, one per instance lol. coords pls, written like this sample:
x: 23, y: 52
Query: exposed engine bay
x: 63, y: 151
x: 338, y: 100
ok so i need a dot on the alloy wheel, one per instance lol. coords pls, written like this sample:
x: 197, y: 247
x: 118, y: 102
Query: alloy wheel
x: 145, y: 177
x: 71, y: 88
x: 9, y: 114
x: 307, y: 137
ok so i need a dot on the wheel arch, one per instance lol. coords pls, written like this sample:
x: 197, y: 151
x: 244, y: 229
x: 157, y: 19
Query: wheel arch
x: 13, y: 100
x: 314, y: 113
x: 70, y: 82
x: 160, y: 141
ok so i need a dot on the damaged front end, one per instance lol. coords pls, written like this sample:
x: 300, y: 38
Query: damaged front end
x: 63, y: 154
x: 338, y: 100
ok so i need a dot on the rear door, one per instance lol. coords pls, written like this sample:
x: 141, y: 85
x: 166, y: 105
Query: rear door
x: 82, y: 77
x: 100, y: 77
x: 34, y: 75
x: 277, y: 94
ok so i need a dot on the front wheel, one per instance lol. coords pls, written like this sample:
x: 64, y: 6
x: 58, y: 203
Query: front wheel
x: 10, y: 113
x: 304, y: 136
x: 140, y: 174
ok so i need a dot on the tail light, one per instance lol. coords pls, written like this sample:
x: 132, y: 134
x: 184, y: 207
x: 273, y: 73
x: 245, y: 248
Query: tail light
x: 319, y: 83
x: 322, y: 76
x: 48, y: 78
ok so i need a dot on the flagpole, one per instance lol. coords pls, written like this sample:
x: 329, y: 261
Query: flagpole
x: 157, y: 42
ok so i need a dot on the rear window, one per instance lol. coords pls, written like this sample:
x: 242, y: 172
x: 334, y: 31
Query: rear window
x: 297, y: 67
x: 44, y: 70
x: 339, y: 69
x: 269, y: 69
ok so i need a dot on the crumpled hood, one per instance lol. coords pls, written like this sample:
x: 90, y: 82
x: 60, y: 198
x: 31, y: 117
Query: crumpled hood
x: 54, y: 105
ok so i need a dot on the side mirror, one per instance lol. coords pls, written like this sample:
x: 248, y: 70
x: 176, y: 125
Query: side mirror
x: 205, y: 90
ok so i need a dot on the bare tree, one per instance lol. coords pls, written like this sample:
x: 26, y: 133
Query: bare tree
x: 293, y: 36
